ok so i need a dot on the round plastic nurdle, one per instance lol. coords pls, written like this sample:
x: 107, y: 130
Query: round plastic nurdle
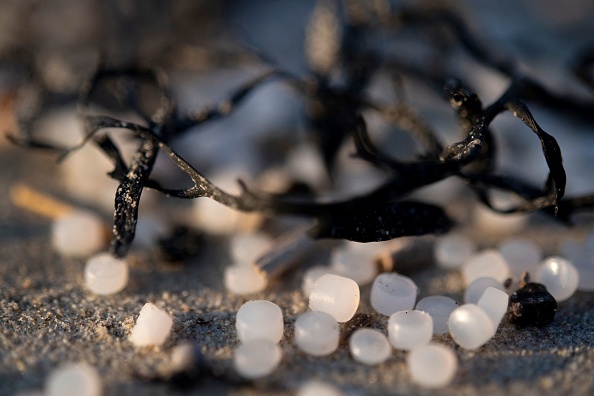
x: 369, y: 346
x: 470, y: 326
x: 316, y: 333
x: 74, y: 380
x: 312, y: 275
x: 475, y: 290
x: 152, y: 327
x: 440, y: 308
x: 451, y: 250
x: 521, y: 255
x: 247, y: 248
x: 499, y: 224
x: 78, y: 234
x: 318, y: 388
x: 244, y: 279
x: 494, y: 302
x: 488, y: 263
x: 410, y: 329
x: 259, y: 320
x: 559, y: 276
x: 355, y: 264
x: 432, y: 366
x: 391, y: 293
x: 335, y: 295
x: 105, y: 274
x: 256, y: 359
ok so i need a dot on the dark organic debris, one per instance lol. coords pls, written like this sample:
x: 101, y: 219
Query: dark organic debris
x: 532, y: 305
x: 334, y: 111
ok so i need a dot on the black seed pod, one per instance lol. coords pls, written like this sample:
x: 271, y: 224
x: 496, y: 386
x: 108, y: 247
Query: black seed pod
x: 532, y: 305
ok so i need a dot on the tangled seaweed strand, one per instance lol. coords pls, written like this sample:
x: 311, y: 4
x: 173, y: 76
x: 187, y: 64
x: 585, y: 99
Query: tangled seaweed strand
x: 334, y: 112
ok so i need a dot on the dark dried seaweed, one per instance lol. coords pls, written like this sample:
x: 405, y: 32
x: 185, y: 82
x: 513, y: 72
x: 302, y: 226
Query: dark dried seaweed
x: 334, y: 113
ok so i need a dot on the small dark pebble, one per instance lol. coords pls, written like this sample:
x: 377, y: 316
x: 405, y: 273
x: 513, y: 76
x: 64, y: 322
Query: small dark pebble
x: 532, y: 305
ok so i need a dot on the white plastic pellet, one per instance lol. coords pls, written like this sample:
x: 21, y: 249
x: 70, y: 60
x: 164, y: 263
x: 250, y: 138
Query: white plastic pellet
x: 495, y: 223
x: 335, y: 295
x: 470, y: 326
x: 521, y: 255
x: 152, y: 327
x: 494, y: 302
x: 78, y: 234
x: 451, y: 250
x: 318, y: 388
x: 74, y: 380
x: 440, y: 308
x: 259, y: 320
x: 312, y: 275
x: 105, y: 274
x: 369, y: 346
x: 256, y: 359
x: 432, y: 366
x: 182, y: 357
x: 559, y: 276
x: 246, y: 248
x: 475, y: 290
x: 487, y: 263
x: 391, y: 293
x: 216, y: 218
x: 410, y: 329
x: 244, y: 279
x: 316, y: 333
x: 357, y: 265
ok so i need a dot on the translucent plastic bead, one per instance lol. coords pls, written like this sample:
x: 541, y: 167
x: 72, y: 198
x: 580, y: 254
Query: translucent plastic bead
x: 369, y: 346
x: 183, y: 357
x: 256, y: 359
x: 470, y: 326
x: 259, y: 320
x: 244, y: 279
x: 475, y: 290
x: 335, y: 295
x: 78, y: 234
x: 521, y: 255
x: 498, y: 224
x: 451, y: 250
x: 152, y: 327
x: 494, y: 302
x: 488, y: 263
x: 432, y: 366
x: 246, y: 248
x: 216, y: 218
x: 318, y: 388
x: 312, y: 275
x: 559, y: 276
x: 74, y: 380
x: 391, y: 293
x: 410, y: 329
x: 357, y: 265
x: 317, y: 333
x: 105, y: 274
x: 439, y: 308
